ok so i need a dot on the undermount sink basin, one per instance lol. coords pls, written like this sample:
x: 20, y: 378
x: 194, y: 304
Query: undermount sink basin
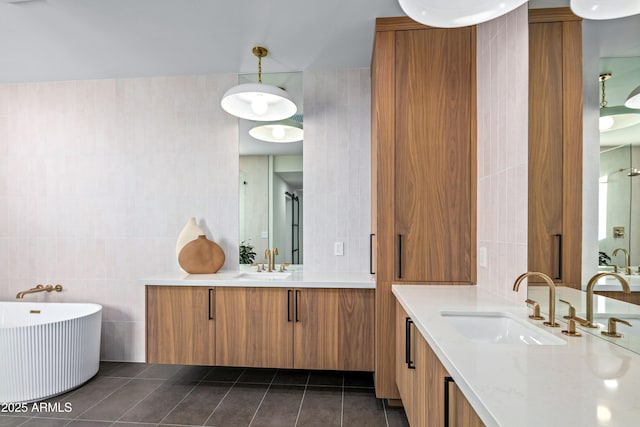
x: 265, y: 275
x: 498, y: 328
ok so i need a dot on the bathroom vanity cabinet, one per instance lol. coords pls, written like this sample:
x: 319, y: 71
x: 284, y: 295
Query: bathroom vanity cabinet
x: 269, y: 327
x: 555, y: 144
x: 429, y: 396
x: 180, y: 325
x: 302, y: 328
x: 423, y: 86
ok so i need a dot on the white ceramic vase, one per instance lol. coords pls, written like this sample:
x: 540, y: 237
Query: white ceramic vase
x: 190, y: 232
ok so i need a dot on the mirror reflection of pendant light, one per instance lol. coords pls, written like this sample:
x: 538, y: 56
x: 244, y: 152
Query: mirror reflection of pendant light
x: 614, y: 118
x: 605, y: 9
x: 258, y: 101
x: 456, y: 13
x: 633, y: 100
x: 283, y: 131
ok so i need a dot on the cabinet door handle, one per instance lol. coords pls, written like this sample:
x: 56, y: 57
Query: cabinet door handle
x: 212, y: 304
x: 399, y: 256
x: 559, y: 243
x: 289, y: 292
x: 407, y: 343
x: 371, y: 254
x: 297, y: 306
x: 447, y: 381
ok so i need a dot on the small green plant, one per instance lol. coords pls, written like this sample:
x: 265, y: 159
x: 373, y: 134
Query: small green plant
x: 247, y: 255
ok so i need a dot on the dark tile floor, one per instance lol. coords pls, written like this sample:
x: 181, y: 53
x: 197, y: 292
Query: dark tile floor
x: 141, y: 395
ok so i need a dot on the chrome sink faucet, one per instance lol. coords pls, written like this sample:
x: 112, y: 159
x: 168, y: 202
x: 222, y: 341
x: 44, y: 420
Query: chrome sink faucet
x: 627, y: 267
x: 592, y: 283
x: 552, y: 294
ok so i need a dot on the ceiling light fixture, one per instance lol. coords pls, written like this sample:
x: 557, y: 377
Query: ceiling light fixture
x: 618, y: 117
x: 601, y: 9
x: 633, y: 100
x: 258, y: 101
x: 280, y: 132
x: 460, y: 13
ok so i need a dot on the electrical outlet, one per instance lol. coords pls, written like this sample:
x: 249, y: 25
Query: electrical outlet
x: 338, y: 248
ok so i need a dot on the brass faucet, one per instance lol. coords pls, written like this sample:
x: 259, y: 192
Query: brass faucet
x: 552, y: 294
x: 592, y: 283
x: 39, y: 288
x: 270, y: 256
x: 627, y: 267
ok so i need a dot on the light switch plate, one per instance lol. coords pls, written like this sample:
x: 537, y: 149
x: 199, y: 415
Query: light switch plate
x: 338, y: 248
x: 482, y: 256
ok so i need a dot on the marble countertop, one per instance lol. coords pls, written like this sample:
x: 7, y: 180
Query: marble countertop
x: 297, y: 278
x: 585, y: 381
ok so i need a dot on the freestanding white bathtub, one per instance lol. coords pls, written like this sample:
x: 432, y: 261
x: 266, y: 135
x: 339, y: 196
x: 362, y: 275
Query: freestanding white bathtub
x: 47, y: 348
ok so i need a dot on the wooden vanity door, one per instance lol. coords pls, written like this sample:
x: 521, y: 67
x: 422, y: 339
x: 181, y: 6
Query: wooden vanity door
x: 254, y: 327
x: 180, y: 325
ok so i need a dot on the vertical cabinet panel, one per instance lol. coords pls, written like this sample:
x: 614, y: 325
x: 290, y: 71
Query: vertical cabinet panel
x: 356, y: 312
x: 254, y: 327
x: 423, y: 141
x: 433, y: 170
x: 404, y: 375
x: 545, y: 147
x: 555, y: 144
x: 180, y: 325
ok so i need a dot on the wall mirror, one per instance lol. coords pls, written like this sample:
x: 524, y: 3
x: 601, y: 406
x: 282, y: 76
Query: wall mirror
x: 619, y: 187
x: 271, y: 183
x: 608, y: 46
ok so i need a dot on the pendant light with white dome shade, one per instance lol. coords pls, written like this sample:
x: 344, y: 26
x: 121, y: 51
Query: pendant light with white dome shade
x: 605, y: 9
x: 457, y: 13
x: 633, y: 100
x: 284, y: 131
x: 617, y: 117
x: 258, y: 101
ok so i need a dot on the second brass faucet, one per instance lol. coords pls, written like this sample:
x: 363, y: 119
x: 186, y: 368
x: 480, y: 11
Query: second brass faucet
x: 627, y: 267
x: 591, y: 285
x: 270, y: 256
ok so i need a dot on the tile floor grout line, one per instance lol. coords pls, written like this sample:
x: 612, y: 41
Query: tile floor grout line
x: 141, y: 400
x: 223, y: 397
x: 384, y: 408
x: 95, y: 404
x: 342, y: 403
x: 263, y: 397
x: 302, y: 401
x: 182, y: 400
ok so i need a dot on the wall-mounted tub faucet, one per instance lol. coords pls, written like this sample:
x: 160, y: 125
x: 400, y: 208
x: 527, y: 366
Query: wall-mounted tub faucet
x: 39, y: 288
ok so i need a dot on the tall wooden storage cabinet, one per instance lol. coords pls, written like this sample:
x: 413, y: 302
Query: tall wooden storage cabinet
x: 555, y: 144
x: 423, y: 167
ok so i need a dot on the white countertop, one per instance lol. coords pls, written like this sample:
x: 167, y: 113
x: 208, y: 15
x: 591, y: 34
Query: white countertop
x: 298, y: 279
x: 585, y: 382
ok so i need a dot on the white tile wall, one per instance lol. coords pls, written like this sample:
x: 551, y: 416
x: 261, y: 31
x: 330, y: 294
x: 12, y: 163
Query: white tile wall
x: 502, y: 66
x: 97, y: 178
x: 337, y: 169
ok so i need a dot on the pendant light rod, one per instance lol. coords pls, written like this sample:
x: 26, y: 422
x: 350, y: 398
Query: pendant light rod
x: 260, y: 52
x: 603, y: 78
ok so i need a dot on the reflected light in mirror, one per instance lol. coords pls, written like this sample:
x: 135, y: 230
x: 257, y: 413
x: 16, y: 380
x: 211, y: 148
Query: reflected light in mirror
x: 601, y: 9
x: 457, y: 13
x: 633, y: 101
x: 603, y: 414
x: 611, y: 384
x: 280, y: 132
